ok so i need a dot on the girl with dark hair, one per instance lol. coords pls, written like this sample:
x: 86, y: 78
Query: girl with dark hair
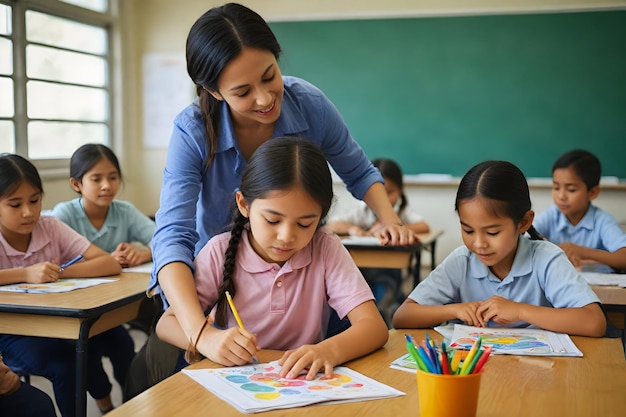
x: 362, y: 221
x: 243, y: 101
x: 284, y: 271
x: 113, y: 225
x: 500, y: 277
x: 32, y: 248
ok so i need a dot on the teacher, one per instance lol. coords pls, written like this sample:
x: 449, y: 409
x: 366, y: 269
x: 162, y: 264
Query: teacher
x: 243, y: 101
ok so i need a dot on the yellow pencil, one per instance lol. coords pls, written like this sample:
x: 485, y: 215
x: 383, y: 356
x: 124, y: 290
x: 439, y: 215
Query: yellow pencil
x: 239, y: 322
x: 234, y: 310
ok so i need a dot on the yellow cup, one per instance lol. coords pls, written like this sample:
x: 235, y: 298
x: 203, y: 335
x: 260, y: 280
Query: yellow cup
x: 447, y: 395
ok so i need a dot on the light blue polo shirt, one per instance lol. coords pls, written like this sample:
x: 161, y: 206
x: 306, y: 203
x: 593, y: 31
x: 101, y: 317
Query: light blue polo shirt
x: 541, y: 275
x: 124, y: 223
x: 597, y: 229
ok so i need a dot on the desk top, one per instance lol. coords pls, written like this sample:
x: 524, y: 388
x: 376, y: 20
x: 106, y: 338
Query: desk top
x: 593, y: 385
x: 81, y: 302
x: 371, y: 242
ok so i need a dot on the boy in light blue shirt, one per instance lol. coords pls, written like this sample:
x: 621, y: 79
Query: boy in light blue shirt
x: 586, y: 233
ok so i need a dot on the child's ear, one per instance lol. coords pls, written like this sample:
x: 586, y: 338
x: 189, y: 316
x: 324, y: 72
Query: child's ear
x: 75, y: 185
x: 594, y: 192
x: 526, y: 222
x: 242, y: 205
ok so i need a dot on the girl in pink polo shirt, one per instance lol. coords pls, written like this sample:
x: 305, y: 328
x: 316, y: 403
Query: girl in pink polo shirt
x: 32, y: 249
x: 284, y: 273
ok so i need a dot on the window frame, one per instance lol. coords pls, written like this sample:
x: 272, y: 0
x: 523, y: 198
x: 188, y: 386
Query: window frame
x: 109, y: 20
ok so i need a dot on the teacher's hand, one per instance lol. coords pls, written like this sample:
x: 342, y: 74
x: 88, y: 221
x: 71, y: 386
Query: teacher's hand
x: 394, y: 234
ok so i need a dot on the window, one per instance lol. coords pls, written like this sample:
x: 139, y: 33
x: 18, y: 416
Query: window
x: 55, y: 77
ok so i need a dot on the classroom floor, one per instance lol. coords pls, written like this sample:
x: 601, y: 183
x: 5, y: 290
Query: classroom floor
x: 116, y: 395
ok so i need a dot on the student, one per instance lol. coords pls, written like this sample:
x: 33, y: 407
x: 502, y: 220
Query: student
x: 362, y: 220
x: 385, y: 282
x: 283, y: 271
x: 19, y: 399
x: 585, y: 232
x: 111, y: 224
x: 500, y: 277
x: 32, y: 248
x: 244, y: 101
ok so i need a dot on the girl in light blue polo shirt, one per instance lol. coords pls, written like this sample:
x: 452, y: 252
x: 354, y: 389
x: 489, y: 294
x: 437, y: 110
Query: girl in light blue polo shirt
x: 500, y: 277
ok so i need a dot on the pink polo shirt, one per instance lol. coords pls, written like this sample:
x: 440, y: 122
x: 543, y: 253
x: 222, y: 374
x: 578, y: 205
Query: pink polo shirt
x: 288, y: 306
x: 51, y: 241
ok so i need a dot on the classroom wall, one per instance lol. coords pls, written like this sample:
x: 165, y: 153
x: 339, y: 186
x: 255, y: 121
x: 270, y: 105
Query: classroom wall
x: 161, y: 26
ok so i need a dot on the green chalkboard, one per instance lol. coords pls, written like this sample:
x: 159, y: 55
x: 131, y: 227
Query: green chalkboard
x: 442, y: 94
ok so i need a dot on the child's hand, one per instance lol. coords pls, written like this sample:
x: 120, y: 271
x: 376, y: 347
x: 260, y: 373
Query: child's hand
x: 357, y: 231
x: 42, y: 272
x: 574, y: 253
x: 466, y: 312
x: 313, y: 357
x: 230, y: 347
x: 128, y: 255
x: 500, y: 310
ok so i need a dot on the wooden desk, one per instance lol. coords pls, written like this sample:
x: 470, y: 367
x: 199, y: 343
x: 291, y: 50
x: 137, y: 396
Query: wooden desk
x: 511, y: 386
x: 610, y: 294
x: 400, y: 257
x: 76, y: 315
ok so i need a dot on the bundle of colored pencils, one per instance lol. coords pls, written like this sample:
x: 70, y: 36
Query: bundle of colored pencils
x: 439, y: 360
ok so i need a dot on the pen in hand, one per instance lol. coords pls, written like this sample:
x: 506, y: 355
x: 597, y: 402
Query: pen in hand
x: 70, y: 262
x: 239, y: 322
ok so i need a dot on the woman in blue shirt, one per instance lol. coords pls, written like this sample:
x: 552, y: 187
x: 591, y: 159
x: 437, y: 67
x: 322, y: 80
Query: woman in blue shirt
x: 243, y: 101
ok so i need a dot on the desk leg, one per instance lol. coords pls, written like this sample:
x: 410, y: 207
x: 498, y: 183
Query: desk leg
x: 81, y: 366
x: 418, y: 267
x: 432, y: 254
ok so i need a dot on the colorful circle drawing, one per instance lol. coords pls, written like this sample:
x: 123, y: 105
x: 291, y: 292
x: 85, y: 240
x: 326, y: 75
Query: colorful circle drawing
x: 237, y: 379
x: 267, y: 377
x: 257, y: 387
x: 267, y: 396
x: 319, y: 387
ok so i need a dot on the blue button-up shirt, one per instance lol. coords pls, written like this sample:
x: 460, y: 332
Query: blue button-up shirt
x: 197, y: 201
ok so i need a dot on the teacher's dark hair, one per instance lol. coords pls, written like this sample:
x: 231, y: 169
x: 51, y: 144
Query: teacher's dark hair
x: 278, y: 164
x: 215, y: 39
x: 503, y: 185
x: 15, y: 170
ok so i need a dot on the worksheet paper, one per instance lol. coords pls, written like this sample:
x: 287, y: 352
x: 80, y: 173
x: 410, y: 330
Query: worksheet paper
x: 257, y: 388
x: 62, y: 285
x: 515, y: 341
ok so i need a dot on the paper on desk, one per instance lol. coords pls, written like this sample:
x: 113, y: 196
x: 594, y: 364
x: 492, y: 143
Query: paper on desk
x: 598, y: 278
x: 147, y: 268
x: 257, y: 388
x: 515, y: 341
x: 361, y: 241
x: 62, y: 285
